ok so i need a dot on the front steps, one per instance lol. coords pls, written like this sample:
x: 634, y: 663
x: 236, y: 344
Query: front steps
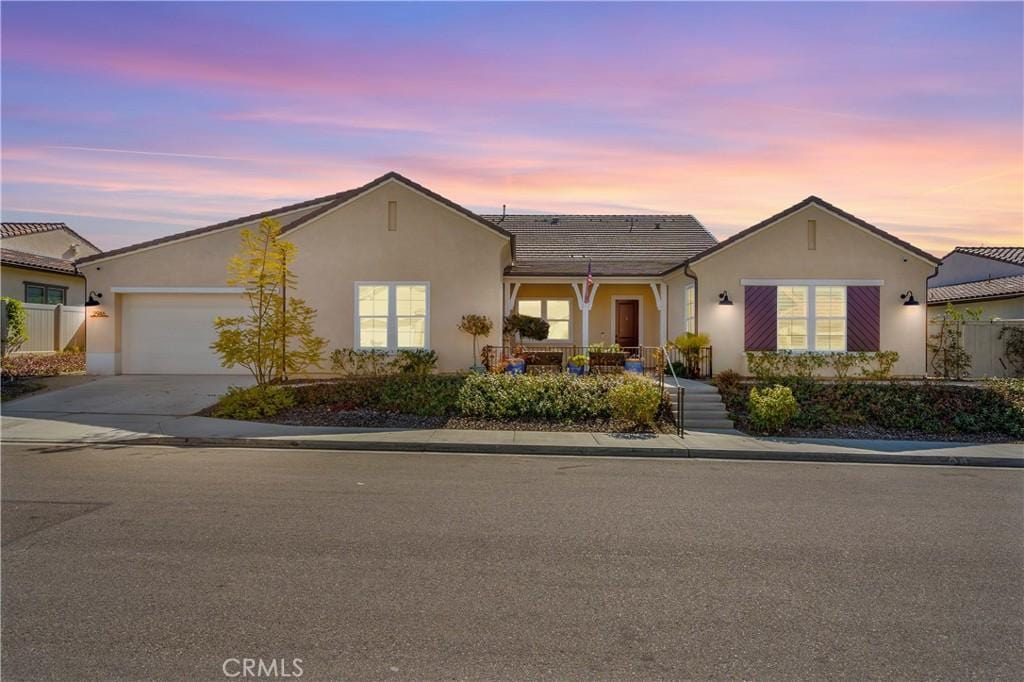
x: 703, y: 409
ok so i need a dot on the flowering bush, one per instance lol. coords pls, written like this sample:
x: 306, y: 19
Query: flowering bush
x: 43, y: 364
x: 771, y: 408
x: 556, y: 397
x: 636, y: 401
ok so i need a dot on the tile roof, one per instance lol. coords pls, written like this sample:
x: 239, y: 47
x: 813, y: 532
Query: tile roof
x: 34, y: 261
x: 1006, y: 254
x: 555, y: 244
x: 21, y: 229
x: 322, y: 204
x: 830, y: 208
x: 1000, y: 287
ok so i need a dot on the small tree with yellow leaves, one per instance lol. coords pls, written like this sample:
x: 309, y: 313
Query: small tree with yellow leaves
x: 276, y: 337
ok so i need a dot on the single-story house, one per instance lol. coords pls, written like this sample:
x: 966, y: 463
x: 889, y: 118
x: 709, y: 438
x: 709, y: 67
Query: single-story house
x: 989, y: 278
x: 393, y: 265
x: 37, y: 262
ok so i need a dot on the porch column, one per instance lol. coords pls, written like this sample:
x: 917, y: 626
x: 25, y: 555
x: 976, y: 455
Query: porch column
x: 511, y: 292
x: 660, y: 290
x: 579, y: 288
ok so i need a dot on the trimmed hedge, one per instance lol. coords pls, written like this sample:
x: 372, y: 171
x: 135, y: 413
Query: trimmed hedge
x: 426, y: 395
x: 995, y: 407
x: 554, y: 397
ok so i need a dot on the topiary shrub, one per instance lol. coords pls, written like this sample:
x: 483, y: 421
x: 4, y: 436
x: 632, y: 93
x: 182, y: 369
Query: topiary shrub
x: 526, y: 327
x: 255, y: 402
x: 771, y: 408
x: 636, y: 401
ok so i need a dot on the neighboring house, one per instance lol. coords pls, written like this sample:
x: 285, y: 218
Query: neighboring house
x: 37, y: 266
x: 392, y: 264
x: 989, y: 278
x: 38, y: 263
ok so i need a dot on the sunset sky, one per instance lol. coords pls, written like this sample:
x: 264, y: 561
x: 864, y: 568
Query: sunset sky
x: 130, y: 121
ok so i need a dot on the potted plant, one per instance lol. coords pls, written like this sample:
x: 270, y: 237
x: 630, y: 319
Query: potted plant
x: 689, y: 346
x: 606, y: 358
x: 476, y: 326
x: 578, y: 364
x: 518, y: 327
x: 634, y: 365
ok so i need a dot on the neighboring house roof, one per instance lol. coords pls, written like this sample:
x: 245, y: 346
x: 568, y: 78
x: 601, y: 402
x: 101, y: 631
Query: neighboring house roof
x: 821, y: 203
x: 8, y: 230
x: 1007, y: 254
x: 1000, y: 287
x: 34, y: 261
x: 323, y: 204
x: 618, y: 245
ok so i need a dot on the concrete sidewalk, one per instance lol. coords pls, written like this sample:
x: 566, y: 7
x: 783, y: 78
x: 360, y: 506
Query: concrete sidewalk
x: 154, y: 429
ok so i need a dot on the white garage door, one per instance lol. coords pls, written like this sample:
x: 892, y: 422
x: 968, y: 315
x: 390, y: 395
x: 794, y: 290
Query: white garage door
x: 172, y: 333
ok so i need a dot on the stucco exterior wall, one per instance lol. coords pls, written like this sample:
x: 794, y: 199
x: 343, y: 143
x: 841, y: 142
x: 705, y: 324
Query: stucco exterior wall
x: 963, y: 267
x: 13, y: 283
x: 461, y: 259
x: 676, y: 284
x: 1004, y: 309
x: 844, y: 252
x: 55, y: 243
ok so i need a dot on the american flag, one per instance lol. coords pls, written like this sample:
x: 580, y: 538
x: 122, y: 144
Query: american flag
x: 589, y: 285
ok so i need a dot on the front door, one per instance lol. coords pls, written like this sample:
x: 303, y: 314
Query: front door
x: 627, y: 323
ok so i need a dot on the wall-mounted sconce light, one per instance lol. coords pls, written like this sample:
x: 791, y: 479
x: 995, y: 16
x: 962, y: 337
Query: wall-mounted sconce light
x: 90, y: 302
x: 723, y: 298
x: 908, y: 298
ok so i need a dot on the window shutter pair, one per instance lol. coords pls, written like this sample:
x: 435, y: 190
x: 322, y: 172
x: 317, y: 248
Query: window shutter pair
x: 863, y: 312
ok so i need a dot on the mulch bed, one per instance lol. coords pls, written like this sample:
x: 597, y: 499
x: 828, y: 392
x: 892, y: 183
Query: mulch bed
x: 11, y: 389
x: 319, y: 415
x: 875, y: 433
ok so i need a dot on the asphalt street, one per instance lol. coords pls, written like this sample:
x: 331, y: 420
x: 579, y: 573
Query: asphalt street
x: 148, y: 562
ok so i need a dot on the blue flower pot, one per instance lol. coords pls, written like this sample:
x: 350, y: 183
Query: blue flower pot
x: 635, y: 366
x: 516, y: 366
x: 577, y: 370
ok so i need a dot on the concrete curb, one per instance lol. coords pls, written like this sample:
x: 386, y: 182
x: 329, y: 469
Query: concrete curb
x: 824, y: 456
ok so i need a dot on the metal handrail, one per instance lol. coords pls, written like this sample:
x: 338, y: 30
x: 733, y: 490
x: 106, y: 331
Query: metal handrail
x: 679, y: 395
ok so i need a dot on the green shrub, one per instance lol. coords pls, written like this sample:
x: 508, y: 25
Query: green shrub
x: 254, y: 402
x: 842, y: 363
x: 526, y: 327
x: 878, y: 366
x: 635, y: 400
x: 416, y: 361
x: 727, y: 380
x: 427, y: 395
x: 359, y: 363
x: 772, y: 408
x: 17, y: 329
x: 766, y: 365
x: 553, y: 397
x: 1013, y: 351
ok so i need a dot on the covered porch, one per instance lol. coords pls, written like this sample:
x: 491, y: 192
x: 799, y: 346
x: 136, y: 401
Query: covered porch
x: 628, y: 311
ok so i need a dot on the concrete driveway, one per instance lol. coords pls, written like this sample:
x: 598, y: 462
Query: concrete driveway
x: 147, y: 394
x: 114, y: 407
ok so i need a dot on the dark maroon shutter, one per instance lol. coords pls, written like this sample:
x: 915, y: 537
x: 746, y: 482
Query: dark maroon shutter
x: 759, y: 325
x: 862, y: 318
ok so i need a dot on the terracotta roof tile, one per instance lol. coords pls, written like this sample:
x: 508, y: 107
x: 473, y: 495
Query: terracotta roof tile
x: 1000, y: 287
x: 34, y: 261
x: 8, y: 230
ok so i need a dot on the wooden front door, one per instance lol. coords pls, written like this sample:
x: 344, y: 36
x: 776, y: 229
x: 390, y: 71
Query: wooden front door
x: 627, y: 323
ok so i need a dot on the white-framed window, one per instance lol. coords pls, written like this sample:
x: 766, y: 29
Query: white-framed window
x: 392, y: 315
x: 691, y: 309
x: 811, y: 318
x: 830, y: 318
x: 557, y: 312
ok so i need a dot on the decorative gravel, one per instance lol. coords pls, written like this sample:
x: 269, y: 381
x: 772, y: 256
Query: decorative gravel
x: 323, y: 416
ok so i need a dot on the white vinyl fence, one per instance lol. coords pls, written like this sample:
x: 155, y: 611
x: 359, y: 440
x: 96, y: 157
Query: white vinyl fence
x: 988, y: 352
x: 52, y: 328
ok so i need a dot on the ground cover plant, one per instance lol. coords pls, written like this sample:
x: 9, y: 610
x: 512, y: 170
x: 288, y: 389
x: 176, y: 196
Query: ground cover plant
x: 898, y: 409
x: 18, y: 370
